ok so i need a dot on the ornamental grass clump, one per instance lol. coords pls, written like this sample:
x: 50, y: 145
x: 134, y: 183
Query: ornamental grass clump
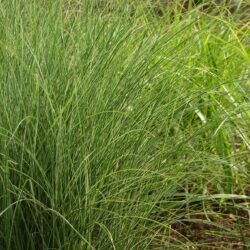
x: 119, y: 128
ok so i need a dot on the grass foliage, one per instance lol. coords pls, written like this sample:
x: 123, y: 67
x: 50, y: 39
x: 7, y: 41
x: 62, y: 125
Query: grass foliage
x: 117, y: 123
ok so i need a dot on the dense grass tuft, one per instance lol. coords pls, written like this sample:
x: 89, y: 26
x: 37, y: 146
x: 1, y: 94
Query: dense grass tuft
x: 118, y: 125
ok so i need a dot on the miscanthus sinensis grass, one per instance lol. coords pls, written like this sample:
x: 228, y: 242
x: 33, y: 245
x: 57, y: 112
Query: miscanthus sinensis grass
x: 115, y: 124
